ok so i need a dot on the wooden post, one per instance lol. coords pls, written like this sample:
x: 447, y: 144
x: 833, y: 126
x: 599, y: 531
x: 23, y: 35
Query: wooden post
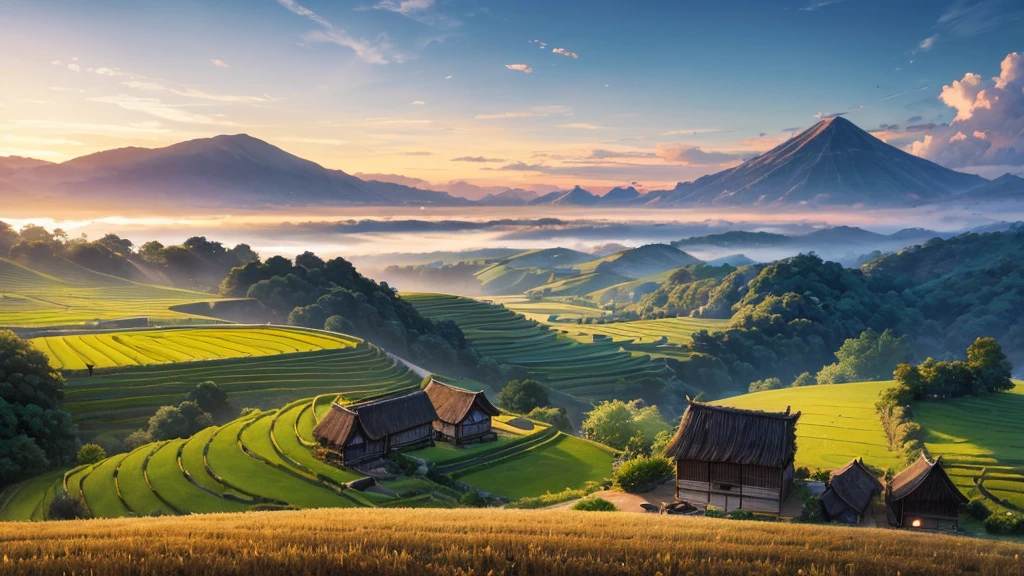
x: 677, y: 479
x: 741, y: 486
x: 782, y: 484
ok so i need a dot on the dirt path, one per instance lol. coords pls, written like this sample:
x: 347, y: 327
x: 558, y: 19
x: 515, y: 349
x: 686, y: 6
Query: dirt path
x: 627, y: 502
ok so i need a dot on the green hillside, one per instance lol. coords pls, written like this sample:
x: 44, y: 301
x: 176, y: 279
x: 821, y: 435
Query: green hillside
x: 173, y: 345
x: 60, y: 293
x: 639, y: 262
x: 579, y: 285
x: 115, y: 404
x: 588, y: 371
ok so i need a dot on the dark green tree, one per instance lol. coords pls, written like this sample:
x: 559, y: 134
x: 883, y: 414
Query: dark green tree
x: 522, y: 396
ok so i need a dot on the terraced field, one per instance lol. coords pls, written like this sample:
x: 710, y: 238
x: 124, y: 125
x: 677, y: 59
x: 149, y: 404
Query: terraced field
x: 980, y: 437
x: 62, y: 293
x: 588, y: 371
x: 837, y: 423
x: 115, y: 404
x: 174, y: 345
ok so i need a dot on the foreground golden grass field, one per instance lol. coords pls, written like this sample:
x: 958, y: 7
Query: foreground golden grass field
x: 423, y: 542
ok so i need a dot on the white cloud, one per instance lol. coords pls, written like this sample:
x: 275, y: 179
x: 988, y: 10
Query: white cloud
x: 815, y: 6
x: 448, y: 77
x: 988, y: 129
x: 74, y: 67
x: 542, y: 45
x: 104, y: 71
x: 39, y: 140
x: 56, y: 63
x: 374, y: 52
x: 579, y: 126
x: 693, y: 155
x: 302, y: 140
x: 417, y: 103
x: 533, y: 112
x: 154, y: 107
x: 928, y: 43
x: 219, y: 63
x: 404, y: 7
x: 566, y: 53
x: 519, y: 68
x: 193, y: 93
x: 690, y: 131
x: 138, y: 129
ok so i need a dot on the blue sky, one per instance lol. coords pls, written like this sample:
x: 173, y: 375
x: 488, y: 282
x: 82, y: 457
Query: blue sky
x: 654, y: 92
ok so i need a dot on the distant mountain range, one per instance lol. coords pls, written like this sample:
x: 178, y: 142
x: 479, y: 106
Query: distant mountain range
x: 832, y: 163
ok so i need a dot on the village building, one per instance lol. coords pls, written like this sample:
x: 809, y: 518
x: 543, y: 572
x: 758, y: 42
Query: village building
x: 371, y: 430
x: 923, y: 496
x: 850, y: 492
x: 734, y: 459
x: 463, y: 416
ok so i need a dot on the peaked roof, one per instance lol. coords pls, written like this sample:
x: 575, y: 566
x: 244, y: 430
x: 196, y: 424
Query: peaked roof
x: 377, y: 418
x: 722, y: 434
x: 454, y: 404
x: 914, y: 475
x: 852, y: 485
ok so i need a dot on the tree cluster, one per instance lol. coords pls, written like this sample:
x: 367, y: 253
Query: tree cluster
x: 205, y: 403
x: 629, y: 426
x: 987, y: 369
x: 35, y: 434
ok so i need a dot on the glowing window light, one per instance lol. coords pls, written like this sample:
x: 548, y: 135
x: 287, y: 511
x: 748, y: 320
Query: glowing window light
x: 916, y: 523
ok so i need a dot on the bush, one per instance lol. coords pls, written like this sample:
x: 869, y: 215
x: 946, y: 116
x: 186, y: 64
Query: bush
x: 741, y: 515
x: 820, y: 475
x: 554, y: 415
x: 247, y: 411
x: 523, y: 396
x: 594, y: 504
x: 802, y: 473
x: 138, y: 438
x: 640, y: 473
x: 977, y: 509
x: 766, y: 384
x: 1007, y: 523
x: 209, y: 397
x: 714, y: 512
x: 91, y: 454
x: 804, y: 379
x: 64, y: 507
x: 473, y: 499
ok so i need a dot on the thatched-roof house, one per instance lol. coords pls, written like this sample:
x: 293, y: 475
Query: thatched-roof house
x: 734, y: 459
x: 849, y: 494
x: 923, y: 496
x: 462, y: 415
x: 369, y: 430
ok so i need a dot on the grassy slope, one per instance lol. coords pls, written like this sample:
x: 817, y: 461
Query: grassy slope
x: 428, y: 542
x: 176, y: 345
x: 973, y: 434
x: 837, y: 423
x: 63, y: 293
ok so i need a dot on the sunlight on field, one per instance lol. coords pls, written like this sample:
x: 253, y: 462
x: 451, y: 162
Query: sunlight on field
x: 837, y: 422
x: 144, y: 347
x: 63, y: 293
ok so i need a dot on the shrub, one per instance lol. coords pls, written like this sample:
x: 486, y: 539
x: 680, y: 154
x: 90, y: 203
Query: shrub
x: 1007, y: 523
x: 522, y: 396
x: 820, y: 475
x: 634, y: 475
x: 594, y: 504
x: 741, y: 515
x: 804, y: 379
x: 138, y: 438
x: 714, y: 512
x: 802, y: 473
x: 554, y: 415
x: 766, y: 384
x: 977, y: 509
x: 474, y: 499
x: 64, y: 507
x: 209, y: 397
x: 247, y: 411
x: 91, y: 454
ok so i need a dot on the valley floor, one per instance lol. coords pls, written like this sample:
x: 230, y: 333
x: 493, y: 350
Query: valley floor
x: 425, y: 542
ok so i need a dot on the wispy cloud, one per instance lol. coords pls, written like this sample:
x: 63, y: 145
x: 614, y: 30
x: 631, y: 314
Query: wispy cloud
x: 373, y: 51
x: 693, y: 155
x: 155, y: 107
x: 477, y: 159
x: 566, y: 53
x: 219, y: 63
x: 815, y: 6
x: 304, y: 140
x: 827, y: 115
x: 542, y: 45
x: 418, y: 103
x: 74, y: 67
x: 519, y: 68
x: 579, y: 126
x: 691, y: 131
x: 193, y: 93
x: 104, y: 71
x: 404, y: 7
x: 928, y: 43
x: 533, y: 112
x: 967, y: 18
x: 138, y: 129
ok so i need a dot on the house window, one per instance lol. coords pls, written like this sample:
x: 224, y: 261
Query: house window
x: 357, y: 439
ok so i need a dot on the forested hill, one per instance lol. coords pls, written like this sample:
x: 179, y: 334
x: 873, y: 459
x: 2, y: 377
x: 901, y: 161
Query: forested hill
x: 790, y: 316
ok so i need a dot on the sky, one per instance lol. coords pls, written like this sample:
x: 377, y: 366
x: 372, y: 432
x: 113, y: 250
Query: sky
x: 527, y: 93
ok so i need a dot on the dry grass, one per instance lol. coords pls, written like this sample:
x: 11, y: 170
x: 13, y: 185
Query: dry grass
x: 423, y: 542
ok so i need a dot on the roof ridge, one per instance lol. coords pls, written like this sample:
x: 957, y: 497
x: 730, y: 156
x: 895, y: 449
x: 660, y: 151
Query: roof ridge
x: 787, y: 415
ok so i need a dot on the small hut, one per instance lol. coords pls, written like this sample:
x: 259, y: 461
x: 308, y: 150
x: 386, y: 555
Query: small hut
x: 734, y: 459
x: 462, y: 415
x: 851, y: 489
x: 922, y: 496
x: 370, y: 430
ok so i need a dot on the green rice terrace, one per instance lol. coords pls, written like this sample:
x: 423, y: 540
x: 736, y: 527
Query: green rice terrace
x: 145, y: 347
x: 61, y: 293
x: 980, y: 439
x: 587, y: 371
x: 123, y: 400
x: 266, y: 460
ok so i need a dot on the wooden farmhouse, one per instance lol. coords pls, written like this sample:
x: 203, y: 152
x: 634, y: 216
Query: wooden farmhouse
x: 371, y: 430
x: 922, y: 496
x: 462, y: 415
x: 849, y: 494
x: 734, y: 459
